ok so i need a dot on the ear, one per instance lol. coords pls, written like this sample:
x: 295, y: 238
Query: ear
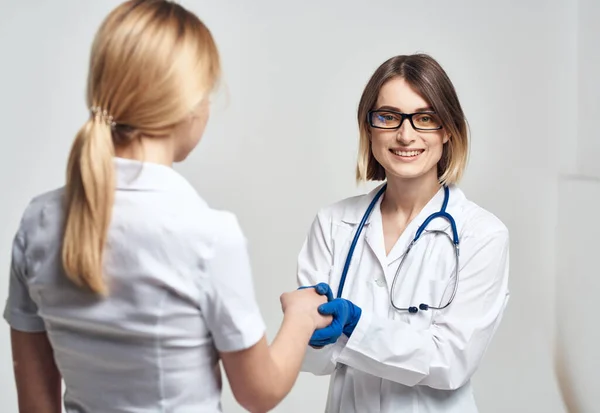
x: 446, y: 138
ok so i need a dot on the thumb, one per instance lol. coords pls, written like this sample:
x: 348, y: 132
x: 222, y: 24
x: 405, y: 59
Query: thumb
x: 336, y: 308
x: 329, y: 308
x: 324, y: 289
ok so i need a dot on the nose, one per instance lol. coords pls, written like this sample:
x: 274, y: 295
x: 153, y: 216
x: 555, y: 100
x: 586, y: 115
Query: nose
x: 406, y: 133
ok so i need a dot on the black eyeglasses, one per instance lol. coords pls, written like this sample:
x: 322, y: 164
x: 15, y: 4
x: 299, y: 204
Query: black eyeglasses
x: 389, y: 119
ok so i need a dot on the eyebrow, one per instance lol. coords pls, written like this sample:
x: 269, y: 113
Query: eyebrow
x: 395, y: 109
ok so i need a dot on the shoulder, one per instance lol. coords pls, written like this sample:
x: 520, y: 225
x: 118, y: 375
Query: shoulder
x: 349, y: 210
x: 479, y: 222
x: 204, y: 227
x: 40, y: 221
x: 225, y: 259
x: 223, y: 230
x: 42, y: 210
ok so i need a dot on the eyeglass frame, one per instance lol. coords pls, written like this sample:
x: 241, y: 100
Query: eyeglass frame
x: 404, y: 116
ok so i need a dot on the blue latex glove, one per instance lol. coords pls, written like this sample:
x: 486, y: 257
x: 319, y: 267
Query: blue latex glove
x: 345, y: 318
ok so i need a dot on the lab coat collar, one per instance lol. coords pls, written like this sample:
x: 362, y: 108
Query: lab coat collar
x: 132, y: 175
x: 374, y: 235
x: 354, y: 213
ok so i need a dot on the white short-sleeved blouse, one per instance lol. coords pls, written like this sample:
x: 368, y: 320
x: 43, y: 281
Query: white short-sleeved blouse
x: 180, y: 291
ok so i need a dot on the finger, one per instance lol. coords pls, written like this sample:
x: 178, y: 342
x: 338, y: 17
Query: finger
x: 329, y: 308
x: 324, y: 289
x: 318, y: 344
x: 322, y: 338
x: 318, y: 336
x: 332, y: 330
x: 327, y: 335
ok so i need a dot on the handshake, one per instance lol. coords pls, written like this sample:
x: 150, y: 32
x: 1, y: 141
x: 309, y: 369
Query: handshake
x: 332, y: 317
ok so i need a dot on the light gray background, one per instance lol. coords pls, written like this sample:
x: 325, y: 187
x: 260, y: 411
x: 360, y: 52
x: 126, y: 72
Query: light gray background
x: 282, y: 141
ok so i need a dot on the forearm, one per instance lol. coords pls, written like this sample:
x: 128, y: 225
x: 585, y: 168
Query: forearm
x: 389, y: 349
x: 47, y: 401
x: 285, y: 359
x: 36, y: 375
x: 443, y: 356
x: 263, y: 375
x: 288, y: 349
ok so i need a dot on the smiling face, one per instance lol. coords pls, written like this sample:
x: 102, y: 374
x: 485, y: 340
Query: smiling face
x: 404, y: 152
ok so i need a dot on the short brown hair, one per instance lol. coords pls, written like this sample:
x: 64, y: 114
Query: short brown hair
x: 426, y: 76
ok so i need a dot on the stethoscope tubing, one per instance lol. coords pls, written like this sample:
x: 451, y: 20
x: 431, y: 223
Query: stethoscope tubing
x: 420, y: 231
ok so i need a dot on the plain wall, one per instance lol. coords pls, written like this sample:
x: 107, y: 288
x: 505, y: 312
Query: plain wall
x: 588, y: 58
x: 282, y: 140
x: 578, y: 284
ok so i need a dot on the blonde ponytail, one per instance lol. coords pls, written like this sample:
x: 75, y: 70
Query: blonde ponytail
x: 151, y: 64
x: 89, y: 201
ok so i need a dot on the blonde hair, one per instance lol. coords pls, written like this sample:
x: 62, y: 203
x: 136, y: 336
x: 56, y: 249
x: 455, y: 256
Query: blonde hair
x: 152, y: 62
x: 429, y: 80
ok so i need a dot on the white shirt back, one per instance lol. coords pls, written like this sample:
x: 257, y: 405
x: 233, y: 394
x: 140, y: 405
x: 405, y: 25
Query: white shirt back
x: 180, y: 291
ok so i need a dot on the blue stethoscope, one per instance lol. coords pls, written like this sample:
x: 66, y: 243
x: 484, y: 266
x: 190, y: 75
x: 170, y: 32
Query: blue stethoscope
x: 420, y: 231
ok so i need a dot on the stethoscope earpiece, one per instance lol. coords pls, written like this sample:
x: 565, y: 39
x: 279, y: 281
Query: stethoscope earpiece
x: 422, y: 307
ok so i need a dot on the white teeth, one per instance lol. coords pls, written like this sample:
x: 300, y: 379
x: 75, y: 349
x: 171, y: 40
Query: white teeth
x: 406, y: 153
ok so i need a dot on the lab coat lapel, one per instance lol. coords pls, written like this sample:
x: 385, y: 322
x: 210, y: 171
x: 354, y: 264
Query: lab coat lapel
x: 433, y: 206
x: 374, y: 236
x: 373, y: 230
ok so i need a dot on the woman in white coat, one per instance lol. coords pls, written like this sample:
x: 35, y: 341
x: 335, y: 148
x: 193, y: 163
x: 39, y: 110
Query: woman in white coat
x: 413, y: 135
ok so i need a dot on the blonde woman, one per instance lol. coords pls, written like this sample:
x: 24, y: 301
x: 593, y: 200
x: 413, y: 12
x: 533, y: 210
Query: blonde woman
x: 418, y: 271
x: 125, y: 283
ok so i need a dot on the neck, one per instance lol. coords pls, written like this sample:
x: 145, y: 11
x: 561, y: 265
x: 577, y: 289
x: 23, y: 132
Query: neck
x: 153, y: 150
x: 407, y: 197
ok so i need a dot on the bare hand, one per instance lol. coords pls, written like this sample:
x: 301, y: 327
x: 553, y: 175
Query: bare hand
x: 305, y: 302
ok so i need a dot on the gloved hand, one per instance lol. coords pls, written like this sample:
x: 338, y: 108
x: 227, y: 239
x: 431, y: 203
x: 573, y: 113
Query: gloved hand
x: 345, y: 318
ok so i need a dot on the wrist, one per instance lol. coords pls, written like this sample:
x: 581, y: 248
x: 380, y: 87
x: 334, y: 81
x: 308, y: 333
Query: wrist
x: 300, y: 319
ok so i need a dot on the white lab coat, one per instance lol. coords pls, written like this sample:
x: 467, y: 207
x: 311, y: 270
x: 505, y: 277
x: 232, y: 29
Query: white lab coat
x: 400, y: 362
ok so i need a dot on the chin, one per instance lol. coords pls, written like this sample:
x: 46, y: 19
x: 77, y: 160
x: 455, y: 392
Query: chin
x: 409, y: 170
x: 404, y: 177
x: 406, y: 173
